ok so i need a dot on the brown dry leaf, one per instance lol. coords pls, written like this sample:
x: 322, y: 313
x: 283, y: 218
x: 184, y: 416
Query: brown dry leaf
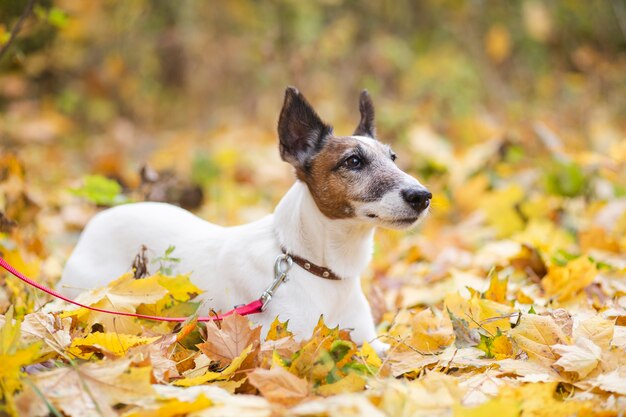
x: 234, y: 337
x: 536, y: 334
x: 93, y: 389
x: 280, y: 386
x: 582, y: 357
x: 54, y: 331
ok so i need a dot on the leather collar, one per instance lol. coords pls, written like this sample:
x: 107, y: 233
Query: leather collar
x: 308, y: 266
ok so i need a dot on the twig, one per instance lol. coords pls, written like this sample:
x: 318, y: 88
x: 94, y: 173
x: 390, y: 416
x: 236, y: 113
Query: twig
x: 17, y: 27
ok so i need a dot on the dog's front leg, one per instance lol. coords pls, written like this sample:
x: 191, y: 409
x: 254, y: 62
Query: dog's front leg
x: 359, y: 318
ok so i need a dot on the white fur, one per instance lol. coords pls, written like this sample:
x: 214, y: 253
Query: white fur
x: 235, y: 264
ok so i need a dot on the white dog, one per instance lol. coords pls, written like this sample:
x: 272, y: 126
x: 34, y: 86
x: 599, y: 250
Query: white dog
x: 346, y: 186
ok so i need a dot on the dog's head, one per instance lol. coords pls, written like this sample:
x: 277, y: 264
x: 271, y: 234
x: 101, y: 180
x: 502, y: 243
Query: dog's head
x: 349, y: 176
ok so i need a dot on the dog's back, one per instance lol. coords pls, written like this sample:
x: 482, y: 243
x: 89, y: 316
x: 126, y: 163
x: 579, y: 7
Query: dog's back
x: 111, y: 240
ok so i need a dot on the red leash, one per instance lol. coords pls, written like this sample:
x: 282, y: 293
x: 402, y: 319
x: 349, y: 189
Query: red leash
x: 251, y: 308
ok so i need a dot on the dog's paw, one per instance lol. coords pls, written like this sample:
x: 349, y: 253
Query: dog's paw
x: 381, y: 348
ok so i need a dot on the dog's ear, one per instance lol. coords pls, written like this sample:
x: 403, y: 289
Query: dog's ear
x: 300, y: 129
x: 366, y: 125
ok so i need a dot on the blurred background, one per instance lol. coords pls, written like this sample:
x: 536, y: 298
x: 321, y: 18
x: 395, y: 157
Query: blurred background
x: 510, y: 112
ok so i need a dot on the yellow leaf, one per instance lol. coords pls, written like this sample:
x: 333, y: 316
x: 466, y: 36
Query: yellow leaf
x: 321, y: 340
x: 536, y: 334
x: 213, y: 376
x: 500, y: 212
x: 369, y: 355
x: 564, y: 282
x: 180, y: 287
x: 350, y: 383
x: 12, y: 358
x: 479, y: 312
x: 597, y: 329
x: 278, y: 330
x: 498, y: 43
x: 495, y: 407
x: 497, y: 289
x: 545, y: 236
x: 431, y: 333
x: 112, y: 343
x: 174, y: 407
x: 538, y: 400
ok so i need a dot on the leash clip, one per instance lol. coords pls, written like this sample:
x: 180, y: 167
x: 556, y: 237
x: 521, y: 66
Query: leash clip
x: 282, y: 265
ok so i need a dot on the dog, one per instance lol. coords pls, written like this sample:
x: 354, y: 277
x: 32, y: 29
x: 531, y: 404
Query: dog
x: 346, y: 187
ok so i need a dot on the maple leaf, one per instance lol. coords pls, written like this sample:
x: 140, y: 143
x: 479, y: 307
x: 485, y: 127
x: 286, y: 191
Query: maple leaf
x: 279, y: 385
x: 536, y: 335
x: 564, y: 282
x: 431, y: 333
x: 278, y: 330
x: 582, y: 357
x: 597, y: 329
x: 231, y: 340
x: 53, y: 331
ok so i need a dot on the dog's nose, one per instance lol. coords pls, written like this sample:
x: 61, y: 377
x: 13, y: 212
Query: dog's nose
x: 418, y: 198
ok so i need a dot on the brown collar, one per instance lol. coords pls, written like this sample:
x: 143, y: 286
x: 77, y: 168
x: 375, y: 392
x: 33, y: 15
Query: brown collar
x: 320, y: 271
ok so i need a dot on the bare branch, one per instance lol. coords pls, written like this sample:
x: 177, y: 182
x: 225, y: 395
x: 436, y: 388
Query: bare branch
x: 17, y: 27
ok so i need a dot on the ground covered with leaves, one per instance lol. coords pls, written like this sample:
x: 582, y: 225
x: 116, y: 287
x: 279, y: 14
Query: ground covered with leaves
x: 511, y: 299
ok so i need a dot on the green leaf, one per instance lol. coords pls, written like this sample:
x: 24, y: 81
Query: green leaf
x: 101, y: 191
x: 566, y: 179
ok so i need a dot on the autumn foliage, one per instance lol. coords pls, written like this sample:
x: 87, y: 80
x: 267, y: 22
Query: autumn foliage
x: 510, y: 299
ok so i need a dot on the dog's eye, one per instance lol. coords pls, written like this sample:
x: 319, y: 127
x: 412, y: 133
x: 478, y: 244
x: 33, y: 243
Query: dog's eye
x: 394, y: 157
x: 353, y: 162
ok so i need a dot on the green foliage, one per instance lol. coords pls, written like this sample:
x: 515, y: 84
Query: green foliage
x: 566, y: 179
x: 167, y: 262
x: 101, y: 191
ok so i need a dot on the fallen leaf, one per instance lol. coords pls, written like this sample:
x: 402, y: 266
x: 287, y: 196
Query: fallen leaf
x: 279, y: 385
x: 228, y: 342
x: 209, y: 376
x: 113, y: 344
x: 582, y: 357
x: 564, y: 282
x: 536, y: 335
x: 93, y: 389
x: 173, y: 408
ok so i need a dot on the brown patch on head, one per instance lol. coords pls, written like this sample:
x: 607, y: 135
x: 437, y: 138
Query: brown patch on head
x: 335, y: 187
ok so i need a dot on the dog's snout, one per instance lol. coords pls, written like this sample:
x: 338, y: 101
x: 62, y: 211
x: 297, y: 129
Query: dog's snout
x: 418, y: 198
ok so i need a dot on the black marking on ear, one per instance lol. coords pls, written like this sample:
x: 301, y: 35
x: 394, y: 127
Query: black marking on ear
x: 366, y: 126
x: 301, y: 132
